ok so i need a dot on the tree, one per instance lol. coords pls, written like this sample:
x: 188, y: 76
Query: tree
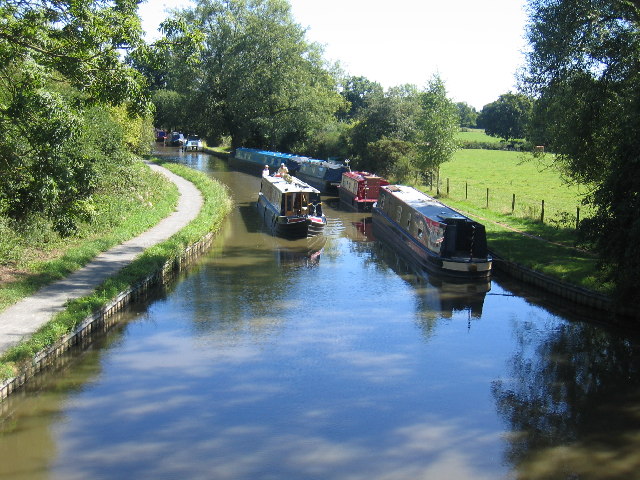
x: 389, y: 116
x: 257, y: 78
x: 507, y: 117
x: 468, y: 115
x: 359, y: 92
x: 58, y: 59
x: 438, y: 125
x: 583, y: 68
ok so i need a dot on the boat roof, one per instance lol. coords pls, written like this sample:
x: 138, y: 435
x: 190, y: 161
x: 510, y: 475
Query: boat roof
x: 423, y: 203
x: 360, y: 175
x: 295, y: 185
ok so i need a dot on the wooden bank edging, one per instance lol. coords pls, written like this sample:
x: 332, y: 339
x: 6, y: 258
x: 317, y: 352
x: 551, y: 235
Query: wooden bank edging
x: 105, y: 318
x: 576, y: 294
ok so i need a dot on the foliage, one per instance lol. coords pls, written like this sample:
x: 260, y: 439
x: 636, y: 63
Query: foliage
x: 127, y: 201
x: 358, y: 92
x: 583, y: 67
x: 468, y: 115
x: 391, y: 116
x: 254, y: 77
x: 391, y: 157
x: 438, y: 125
x: 329, y: 141
x: 507, y: 117
x: 170, y: 111
x: 57, y: 61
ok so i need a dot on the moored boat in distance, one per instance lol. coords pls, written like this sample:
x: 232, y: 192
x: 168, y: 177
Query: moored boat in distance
x: 431, y: 235
x: 321, y: 174
x: 359, y: 190
x: 254, y: 160
x: 290, y: 207
x: 324, y: 175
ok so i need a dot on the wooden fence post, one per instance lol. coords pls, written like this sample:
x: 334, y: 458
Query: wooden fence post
x: 487, y: 197
x: 447, y: 186
x: 577, y: 217
x: 513, y: 203
x: 542, y: 213
x: 466, y: 190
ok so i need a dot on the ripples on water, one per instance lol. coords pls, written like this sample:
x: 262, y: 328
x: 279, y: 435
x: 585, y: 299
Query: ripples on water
x: 328, y: 358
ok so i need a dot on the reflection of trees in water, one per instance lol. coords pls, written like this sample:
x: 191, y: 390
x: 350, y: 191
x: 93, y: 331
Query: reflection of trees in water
x: 573, y: 403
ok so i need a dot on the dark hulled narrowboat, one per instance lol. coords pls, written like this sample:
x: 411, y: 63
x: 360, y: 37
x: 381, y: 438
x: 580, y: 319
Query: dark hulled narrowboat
x: 290, y: 207
x: 359, y: 190
x: 325, y: 176
x: 433, y: 236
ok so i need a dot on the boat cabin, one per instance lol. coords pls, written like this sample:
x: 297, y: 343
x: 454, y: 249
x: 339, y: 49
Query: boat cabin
x: 291, y: 197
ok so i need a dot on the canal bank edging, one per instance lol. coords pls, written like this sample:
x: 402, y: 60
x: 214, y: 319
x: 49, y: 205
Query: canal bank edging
x: 102, y: 320
x: 573, y: 293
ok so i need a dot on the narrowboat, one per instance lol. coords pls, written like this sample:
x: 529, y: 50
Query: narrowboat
x: 322, y: 174
x: 290, y: 207
x: 432, y: 236
x: 254, y: 161
x: 359, y: 190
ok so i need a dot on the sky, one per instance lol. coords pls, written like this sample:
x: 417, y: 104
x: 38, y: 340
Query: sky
x: 476, y: 47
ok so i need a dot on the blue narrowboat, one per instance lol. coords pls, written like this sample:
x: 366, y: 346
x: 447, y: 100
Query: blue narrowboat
x: 290, y: 207
x: 432, y: 236
x: 254, y: 160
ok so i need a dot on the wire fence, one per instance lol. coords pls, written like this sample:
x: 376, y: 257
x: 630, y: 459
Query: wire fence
x: 499, y: 200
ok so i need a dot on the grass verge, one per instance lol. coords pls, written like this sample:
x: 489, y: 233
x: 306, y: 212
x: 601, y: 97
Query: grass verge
x: 217, y: 204
x: 42, y: 257
x: 544, y: 249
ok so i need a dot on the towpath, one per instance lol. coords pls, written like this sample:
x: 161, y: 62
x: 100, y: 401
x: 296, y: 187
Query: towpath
x: 22, y: 319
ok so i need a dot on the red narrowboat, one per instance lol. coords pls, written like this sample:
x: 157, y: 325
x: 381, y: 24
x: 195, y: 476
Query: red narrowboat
x: 359, y: 190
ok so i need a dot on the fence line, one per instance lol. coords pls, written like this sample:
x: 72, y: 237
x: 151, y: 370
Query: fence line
x: 540, y: 210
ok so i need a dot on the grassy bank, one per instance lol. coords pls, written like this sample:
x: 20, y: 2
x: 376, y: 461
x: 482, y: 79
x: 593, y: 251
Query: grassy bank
x: 519, y: 235
x: 34, y: 255
x: 217, y: 204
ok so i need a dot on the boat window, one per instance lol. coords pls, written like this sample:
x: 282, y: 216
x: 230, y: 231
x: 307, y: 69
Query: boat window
x: 419, y: 233
x: 289, y: 204
x: 399, y: 213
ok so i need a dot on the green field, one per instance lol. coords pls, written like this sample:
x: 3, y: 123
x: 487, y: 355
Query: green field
x: 521, y: 236
x: 475, y: 135
x: 471, y: 172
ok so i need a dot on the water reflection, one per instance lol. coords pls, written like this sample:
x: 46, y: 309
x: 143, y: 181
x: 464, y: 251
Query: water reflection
x: 285, y: 359
x: 572, y: 402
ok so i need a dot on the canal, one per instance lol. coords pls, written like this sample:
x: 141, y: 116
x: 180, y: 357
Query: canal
x: 328, y: 359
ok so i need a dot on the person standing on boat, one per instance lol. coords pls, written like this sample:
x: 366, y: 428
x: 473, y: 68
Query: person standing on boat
x: 265, y: 171
x: 283, y: 170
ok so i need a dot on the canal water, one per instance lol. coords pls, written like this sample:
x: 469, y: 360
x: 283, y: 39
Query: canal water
x: 328, y: 359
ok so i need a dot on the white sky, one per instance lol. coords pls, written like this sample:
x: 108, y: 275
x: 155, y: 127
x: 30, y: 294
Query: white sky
x: 475, y: 46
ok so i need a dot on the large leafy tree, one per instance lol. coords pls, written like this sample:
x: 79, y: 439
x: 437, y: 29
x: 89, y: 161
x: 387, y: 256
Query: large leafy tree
x: 507, y: 117
x: 257, y: 78
x: 57, y: 60
x: 359, y: 92
x: 384, y: 117
x: 438, y: 125
x: 468, y: 115
x: 584, y: 67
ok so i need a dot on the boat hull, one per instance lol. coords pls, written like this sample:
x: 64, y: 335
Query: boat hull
x: 422, y: 259
x: 358, y: 204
